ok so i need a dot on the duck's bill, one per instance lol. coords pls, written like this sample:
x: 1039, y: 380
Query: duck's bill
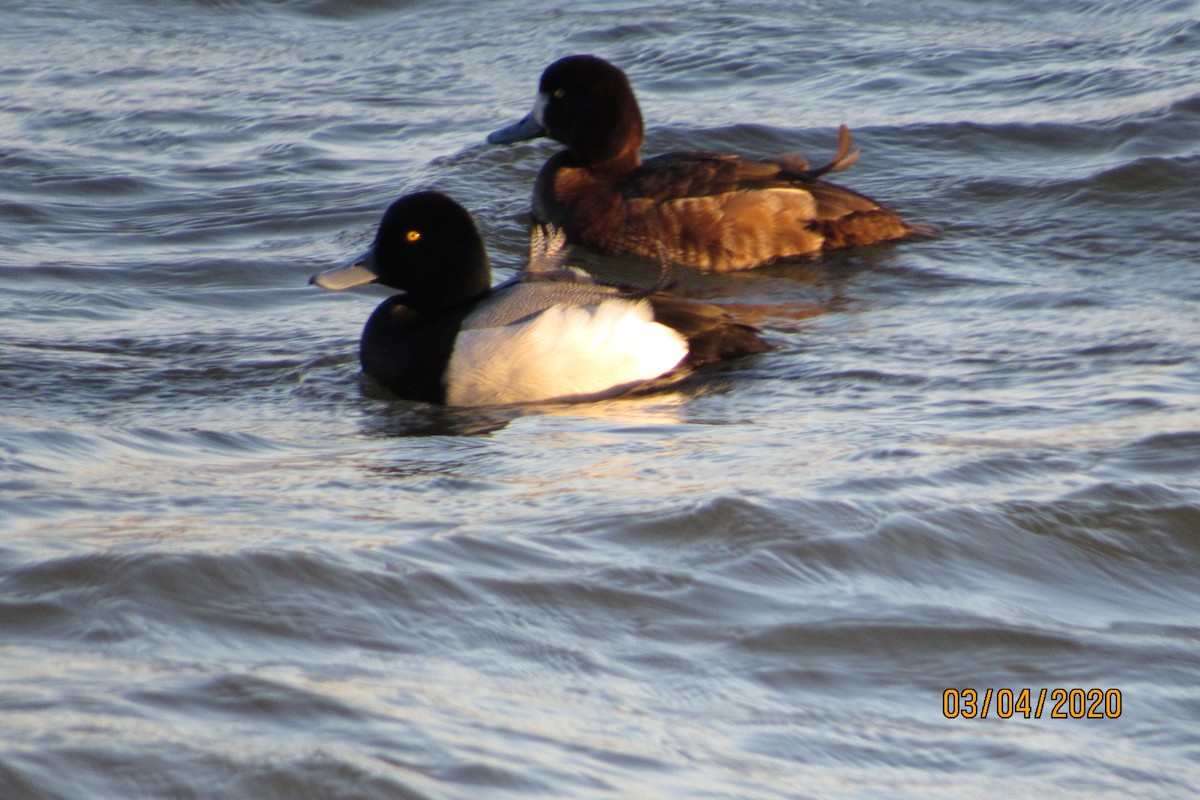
x: 360, y: 271
x: 528, y: 128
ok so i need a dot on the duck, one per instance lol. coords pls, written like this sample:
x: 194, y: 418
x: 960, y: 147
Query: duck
x: 709, y: 211
x: 550, y: 333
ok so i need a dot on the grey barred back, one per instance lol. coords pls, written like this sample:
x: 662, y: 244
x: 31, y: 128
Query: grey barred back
x: 531, y: 294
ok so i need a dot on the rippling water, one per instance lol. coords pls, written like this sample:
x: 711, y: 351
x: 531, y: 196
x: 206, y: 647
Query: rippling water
x: 231, y: 568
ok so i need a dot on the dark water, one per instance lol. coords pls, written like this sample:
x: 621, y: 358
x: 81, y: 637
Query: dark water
x: 231, y: 569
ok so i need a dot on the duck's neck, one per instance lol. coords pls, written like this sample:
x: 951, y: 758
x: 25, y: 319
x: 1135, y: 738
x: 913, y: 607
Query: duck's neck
x: 625, y: 161
x: 615, y: 145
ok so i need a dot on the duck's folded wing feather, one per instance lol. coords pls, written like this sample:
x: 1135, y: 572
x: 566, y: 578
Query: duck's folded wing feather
x: 697, y: 173
x: 723, y: 212
x: 532, y: 293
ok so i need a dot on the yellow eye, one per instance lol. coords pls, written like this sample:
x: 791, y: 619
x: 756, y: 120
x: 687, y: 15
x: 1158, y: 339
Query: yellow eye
x: 559, y: 94
x: 413, y: 236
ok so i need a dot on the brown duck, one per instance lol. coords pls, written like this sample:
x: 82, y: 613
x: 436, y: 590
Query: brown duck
x: 709, y: 211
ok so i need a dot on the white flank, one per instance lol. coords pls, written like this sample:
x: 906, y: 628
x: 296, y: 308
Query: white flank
x: 575, y: 352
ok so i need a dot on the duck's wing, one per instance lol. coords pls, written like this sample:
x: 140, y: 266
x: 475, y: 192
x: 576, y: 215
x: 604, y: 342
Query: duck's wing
x: 719, y: 212
x: 533, y: 291
x: 696, y: 173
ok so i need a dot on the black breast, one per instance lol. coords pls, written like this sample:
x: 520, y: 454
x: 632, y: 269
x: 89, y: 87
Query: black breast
x: 407, y: 350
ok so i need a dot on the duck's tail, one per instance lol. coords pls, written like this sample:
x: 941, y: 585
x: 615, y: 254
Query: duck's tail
x: 796, y: 166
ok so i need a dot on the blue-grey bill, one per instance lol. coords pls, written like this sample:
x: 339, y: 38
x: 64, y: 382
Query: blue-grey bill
x: 358, y: 272
x: 528, y: 128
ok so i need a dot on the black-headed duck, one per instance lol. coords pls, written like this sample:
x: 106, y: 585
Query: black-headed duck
x: 550, y: 333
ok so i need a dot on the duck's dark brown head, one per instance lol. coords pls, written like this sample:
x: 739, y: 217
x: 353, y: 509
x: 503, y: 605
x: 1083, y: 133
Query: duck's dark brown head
x: 587, y: 104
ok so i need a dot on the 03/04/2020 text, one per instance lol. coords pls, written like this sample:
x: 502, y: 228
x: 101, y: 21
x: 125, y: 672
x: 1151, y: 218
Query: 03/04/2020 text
x: 1031, y: 703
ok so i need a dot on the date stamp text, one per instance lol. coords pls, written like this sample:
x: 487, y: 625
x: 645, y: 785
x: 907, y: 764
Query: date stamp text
x: 1032, y: 703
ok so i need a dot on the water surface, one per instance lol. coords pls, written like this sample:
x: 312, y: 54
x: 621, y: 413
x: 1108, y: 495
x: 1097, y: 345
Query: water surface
x: 231, y: 567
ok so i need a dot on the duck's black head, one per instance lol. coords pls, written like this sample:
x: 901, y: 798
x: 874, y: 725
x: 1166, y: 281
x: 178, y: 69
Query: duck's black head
x: 587, y: 104
x: 428, y: 246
